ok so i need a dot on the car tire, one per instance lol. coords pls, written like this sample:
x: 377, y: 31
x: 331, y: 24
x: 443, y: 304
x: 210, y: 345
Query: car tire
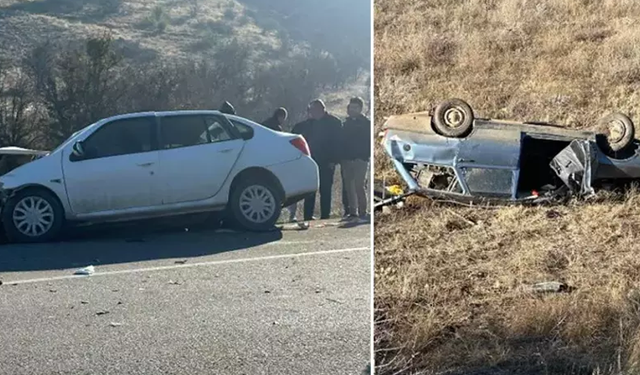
x: 453, y: 118
x: 255, y: 204
x: 618, y: 131
x: 32, y: 215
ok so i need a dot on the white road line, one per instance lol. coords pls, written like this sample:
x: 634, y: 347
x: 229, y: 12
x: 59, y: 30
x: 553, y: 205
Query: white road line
x: 187, y: 265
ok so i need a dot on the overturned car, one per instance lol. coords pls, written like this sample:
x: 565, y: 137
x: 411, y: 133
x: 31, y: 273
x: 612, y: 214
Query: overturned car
x: 451, y: 154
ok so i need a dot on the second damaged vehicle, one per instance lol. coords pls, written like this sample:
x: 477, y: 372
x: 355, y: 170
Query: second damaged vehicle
x: 451, y: 154
x: 153, y: 164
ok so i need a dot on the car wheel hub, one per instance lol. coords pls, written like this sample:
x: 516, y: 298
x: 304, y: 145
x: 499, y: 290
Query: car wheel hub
x: 257, y: 204
x: 33, y: 216
x: 616, y: 131
x: 454, y: 117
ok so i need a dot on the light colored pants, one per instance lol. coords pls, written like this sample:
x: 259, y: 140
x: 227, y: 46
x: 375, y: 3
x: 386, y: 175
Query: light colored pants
x: 355, y: 173
x: 292, y: 211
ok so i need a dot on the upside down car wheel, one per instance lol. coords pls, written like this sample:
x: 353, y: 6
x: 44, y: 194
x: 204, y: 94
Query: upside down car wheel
x: 453, y: 118
x: 618, y: 131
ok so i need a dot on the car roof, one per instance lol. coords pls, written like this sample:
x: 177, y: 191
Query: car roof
x: 161, y: 113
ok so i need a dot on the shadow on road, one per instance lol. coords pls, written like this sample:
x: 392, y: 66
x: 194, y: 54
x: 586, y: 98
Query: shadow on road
x: 127, y: 243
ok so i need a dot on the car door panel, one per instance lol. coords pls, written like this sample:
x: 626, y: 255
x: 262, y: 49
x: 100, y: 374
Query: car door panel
x: 116, y: 177
x: 113, y: 183
x: 197, y: 171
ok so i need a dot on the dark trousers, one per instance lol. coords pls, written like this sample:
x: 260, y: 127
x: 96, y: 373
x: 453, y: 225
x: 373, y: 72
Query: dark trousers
x: 326, y: 184
x: 345, y: 198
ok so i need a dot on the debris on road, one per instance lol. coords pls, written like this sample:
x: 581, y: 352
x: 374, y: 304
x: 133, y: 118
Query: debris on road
x: 302, y: 225
x: 335, y: 301
x: 181, y: 261
x: 84, y: 302
x: 102, y: 312
x: 87, y: 271
x: 114, y: 324
x: 172, y: 282
x: 52, y: 291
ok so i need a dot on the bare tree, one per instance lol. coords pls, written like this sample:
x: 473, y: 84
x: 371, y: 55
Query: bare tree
x: 18, y: 110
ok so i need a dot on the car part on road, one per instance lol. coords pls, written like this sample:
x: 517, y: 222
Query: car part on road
x: 32, y: 215
x: 255, y: 204
x: 86, y: 271
x: 453, y: 118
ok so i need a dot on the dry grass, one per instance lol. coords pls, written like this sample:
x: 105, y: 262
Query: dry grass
x: 450, y: 282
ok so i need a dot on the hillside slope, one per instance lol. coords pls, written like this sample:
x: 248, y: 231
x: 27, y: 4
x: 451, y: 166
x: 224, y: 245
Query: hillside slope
x: 170, y: 30
x: 451, y: 282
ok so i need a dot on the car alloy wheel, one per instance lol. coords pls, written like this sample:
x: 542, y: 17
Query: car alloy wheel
x: 257, y: 204
x: 33, y: 216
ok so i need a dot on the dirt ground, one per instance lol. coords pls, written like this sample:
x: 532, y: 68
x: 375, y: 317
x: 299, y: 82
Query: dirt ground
x: 452, y: 284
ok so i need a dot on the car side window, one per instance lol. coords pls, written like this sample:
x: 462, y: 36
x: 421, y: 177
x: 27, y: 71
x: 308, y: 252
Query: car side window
x: 121, y: 137
x: 182, y: 131
x: 242, y: 128
x: 217, y: 131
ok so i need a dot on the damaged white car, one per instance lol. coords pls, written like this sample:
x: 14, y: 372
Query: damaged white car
x: 153, y: 164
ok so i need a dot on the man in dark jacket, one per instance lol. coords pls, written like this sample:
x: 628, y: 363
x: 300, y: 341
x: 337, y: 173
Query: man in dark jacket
x: 277, y: 120
x: 227, y: 108
x: 356, y: 151
x: 322, y: 131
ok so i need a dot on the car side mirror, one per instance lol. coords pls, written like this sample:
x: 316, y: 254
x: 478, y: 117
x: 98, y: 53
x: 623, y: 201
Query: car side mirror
x: 78, y: 150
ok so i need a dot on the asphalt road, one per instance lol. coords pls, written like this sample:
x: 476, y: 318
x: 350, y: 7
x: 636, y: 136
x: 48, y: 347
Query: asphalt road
x: 185, y: 302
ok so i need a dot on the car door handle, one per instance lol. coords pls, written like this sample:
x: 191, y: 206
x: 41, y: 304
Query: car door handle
x: 145, y: 164
x: 225, y: 150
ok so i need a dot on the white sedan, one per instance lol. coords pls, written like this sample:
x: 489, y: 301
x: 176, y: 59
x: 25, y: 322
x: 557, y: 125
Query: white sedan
x: 153, y: 164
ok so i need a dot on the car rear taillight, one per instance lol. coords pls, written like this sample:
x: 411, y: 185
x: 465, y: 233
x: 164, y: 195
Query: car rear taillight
x: 301, y: 145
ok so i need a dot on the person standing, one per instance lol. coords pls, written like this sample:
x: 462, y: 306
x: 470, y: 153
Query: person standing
x: 356, y: 138
x: 345, y: 197
x: 324, y: 135
x: 277, y: 120
x: 302, y: 128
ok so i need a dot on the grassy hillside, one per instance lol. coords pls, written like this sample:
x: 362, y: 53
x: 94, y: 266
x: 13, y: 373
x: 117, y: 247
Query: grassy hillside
x: 451, y: 283
x: 183, y: 30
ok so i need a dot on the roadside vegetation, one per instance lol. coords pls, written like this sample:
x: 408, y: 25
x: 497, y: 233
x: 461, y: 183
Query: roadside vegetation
x: 452, y: 283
